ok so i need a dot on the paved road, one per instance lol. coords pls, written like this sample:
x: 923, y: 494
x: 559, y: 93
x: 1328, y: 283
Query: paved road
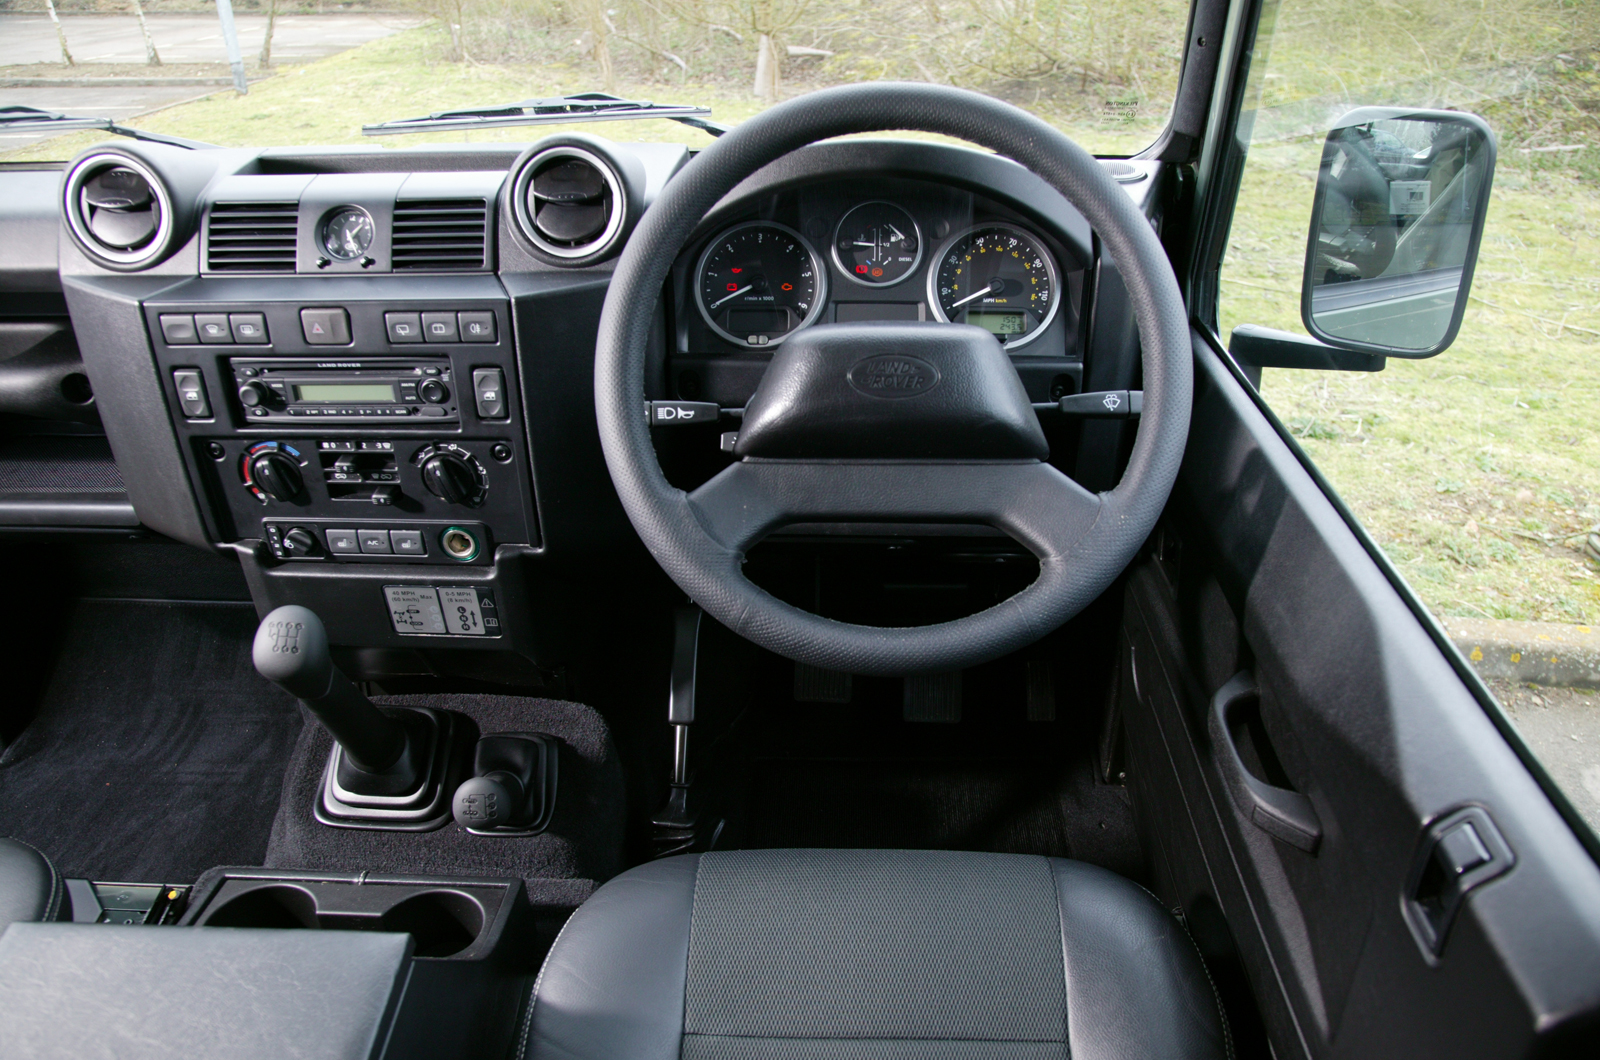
x: 1562, y: 727
x: 27, y: 39
x: 185, y: 38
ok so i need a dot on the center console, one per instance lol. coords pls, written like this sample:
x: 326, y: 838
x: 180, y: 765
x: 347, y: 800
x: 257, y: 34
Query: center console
x: 365, y: 449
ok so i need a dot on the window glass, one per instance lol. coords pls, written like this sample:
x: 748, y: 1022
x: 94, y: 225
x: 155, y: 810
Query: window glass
x: 1477, y: 471
x: 1104, y: 72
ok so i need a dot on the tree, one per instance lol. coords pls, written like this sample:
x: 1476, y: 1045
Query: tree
x: 150, y: 55
x: 266, y: 41
x: 61, y: 34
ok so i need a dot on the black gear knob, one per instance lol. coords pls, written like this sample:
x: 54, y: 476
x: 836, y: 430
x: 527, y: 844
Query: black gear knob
x: 291, y: 649
x: 488, y: 801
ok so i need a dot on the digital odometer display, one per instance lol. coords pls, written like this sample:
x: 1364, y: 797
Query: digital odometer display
x: 999, y: 323
x: 999, y: 277
x: 758, y: 282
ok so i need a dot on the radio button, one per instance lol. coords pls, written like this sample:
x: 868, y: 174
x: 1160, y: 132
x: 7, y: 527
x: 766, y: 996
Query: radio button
x: 213, y: 328
x: 178, y: 329
x: 440, y: 327
x: 477, y: 326
x: 374, y: 542
x: 433, y: 391
x: 433, y: 410
x: 403, y: 327
x: 325, y: 327
x: 249, y: 329
x: 343, y: 541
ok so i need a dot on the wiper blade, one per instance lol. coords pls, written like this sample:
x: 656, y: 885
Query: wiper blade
x: 19, y: 117
x: 586, y: 106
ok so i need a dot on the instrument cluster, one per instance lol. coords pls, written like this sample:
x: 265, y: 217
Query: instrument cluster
x: 834, y: 255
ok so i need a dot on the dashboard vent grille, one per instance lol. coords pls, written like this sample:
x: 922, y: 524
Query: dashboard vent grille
x: 252, y: 236
x: 570, y: 205
x: 438, y: 234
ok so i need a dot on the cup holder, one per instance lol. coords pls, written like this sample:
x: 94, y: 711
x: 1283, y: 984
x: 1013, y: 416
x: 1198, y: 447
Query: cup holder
x: 277, y: 906
x: 443, y: 923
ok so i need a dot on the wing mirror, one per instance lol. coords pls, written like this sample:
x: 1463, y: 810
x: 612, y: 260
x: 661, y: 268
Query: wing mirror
x: 1395, y: 226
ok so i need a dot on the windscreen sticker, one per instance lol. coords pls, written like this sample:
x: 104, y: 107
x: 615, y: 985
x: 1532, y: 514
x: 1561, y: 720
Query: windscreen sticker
x: 1409, y: 197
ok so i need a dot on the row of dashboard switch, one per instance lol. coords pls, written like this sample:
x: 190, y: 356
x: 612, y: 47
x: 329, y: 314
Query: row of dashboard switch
x: 465, y: 326
x: 189, y: 329
x: 377, y: 542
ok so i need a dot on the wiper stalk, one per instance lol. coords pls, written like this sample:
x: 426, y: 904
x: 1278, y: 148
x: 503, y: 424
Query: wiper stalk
x: 20, y: 117
x: 584, y: 107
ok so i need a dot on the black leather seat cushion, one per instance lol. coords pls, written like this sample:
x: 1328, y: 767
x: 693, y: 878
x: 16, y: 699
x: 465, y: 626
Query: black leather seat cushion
x: 30, y: 887
x: 872, y: 955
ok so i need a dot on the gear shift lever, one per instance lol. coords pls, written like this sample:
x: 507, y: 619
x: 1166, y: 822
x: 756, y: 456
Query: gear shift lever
x: 380, y: 753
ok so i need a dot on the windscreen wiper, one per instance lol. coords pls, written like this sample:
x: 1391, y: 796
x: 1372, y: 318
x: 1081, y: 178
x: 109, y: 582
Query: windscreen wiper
x: 586, y: 106
x: 20, y: 117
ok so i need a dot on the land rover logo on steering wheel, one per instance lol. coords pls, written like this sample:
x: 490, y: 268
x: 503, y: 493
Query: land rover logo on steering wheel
x: 893, y: 376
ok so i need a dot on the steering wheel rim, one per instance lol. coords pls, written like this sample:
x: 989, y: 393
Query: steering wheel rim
x: 703, y: 555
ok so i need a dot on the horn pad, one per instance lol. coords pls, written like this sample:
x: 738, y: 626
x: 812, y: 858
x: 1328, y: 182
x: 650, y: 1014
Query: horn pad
x: 891, y: 390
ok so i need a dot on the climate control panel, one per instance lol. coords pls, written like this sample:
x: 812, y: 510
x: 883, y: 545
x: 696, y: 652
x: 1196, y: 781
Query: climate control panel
x: 390, y: 499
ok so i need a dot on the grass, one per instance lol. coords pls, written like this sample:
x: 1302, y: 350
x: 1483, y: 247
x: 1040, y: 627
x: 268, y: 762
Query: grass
x: 1477, y: 471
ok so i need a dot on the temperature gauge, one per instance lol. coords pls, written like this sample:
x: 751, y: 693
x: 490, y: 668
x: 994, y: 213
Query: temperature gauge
x: 877, y: 244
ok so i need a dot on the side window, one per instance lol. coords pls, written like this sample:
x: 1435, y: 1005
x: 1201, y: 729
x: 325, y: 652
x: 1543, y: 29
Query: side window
x: 1476, y: 470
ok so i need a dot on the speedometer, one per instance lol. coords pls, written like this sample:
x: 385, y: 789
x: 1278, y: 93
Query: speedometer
x: 758, y: 282
x: 999, y: 277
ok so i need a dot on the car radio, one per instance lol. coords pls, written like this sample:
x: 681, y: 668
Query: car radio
x: 303, y: 390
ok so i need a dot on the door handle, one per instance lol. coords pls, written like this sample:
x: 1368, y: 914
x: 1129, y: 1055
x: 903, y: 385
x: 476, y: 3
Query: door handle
x: 1280, y: 812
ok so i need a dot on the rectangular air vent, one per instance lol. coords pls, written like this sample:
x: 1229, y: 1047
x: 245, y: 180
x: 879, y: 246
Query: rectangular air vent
x: 252, y: 236
x: 439, y: 234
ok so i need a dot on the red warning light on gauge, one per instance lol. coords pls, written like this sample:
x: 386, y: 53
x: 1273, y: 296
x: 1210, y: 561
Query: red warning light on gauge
x: 788, y: 287
x: 733, y: 287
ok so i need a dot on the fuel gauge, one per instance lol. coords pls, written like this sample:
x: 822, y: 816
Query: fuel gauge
x: 877, y: 244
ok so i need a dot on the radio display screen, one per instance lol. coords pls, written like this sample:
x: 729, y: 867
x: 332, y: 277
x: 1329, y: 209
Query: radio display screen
x: 344, y: 392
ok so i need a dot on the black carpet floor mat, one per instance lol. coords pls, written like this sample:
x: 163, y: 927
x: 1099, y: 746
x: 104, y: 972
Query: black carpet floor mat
x: 157, y: 751
x: 584, y: 840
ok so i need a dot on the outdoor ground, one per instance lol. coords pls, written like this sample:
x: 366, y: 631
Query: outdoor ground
x: 1562, y: 728
x: 1478, y: 471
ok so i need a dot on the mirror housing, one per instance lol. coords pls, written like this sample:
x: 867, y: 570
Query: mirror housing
x: 1395, y: 226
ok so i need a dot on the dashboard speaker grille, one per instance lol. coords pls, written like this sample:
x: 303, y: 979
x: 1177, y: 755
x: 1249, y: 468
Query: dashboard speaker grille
x: 439, y: 234
x: 252, y: 236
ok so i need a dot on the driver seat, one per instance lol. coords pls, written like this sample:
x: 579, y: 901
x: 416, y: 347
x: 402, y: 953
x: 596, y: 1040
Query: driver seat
x: 872, y: 955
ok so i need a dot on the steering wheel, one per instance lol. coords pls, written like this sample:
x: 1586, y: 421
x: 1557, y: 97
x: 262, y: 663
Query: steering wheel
x: 942, y: 429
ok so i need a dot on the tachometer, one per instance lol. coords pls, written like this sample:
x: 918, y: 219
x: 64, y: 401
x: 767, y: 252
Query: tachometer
x: 758, y: 282
x: 877, y: 244
x: 999, y: 277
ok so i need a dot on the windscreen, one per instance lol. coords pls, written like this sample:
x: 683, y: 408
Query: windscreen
x: 1103, y: 72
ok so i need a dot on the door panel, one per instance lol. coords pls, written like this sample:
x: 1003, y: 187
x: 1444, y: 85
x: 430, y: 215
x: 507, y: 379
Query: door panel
x: 1254, y: 572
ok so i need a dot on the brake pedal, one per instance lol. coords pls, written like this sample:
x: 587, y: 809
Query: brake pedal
x: 1041, y: 690
x: 813, y: 684
x: 933, y: 698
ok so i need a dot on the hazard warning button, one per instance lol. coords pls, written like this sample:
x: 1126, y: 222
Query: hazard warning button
x: 325, y: 327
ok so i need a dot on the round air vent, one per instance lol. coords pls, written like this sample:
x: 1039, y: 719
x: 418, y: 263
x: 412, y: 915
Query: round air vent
x: 570, y: 204
x: 119, y: 212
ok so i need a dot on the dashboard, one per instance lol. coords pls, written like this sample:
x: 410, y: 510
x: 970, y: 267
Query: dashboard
x: 368, y: 373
